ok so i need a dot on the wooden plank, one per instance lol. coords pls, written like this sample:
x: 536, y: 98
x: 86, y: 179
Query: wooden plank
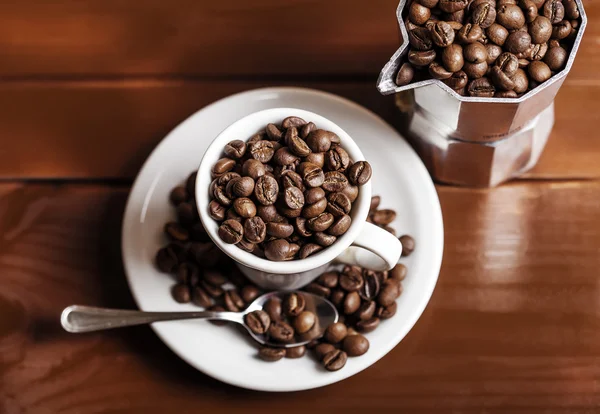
x: 106, y: 129
x: 513, y: 325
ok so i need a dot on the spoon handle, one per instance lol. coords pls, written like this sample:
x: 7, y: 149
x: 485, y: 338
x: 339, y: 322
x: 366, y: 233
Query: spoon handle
x: 77, y: 318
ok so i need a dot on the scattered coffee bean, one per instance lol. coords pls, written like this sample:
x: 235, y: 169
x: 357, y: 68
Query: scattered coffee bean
x: 351, y: 280
x: 178, y: 195
x: 351, y: 303
x: 293, y: 304
x: 258, y: 322
x: 317, y: 289
x: 273, y: 309
x: 249, y: 293
x: 309, y: 249
x: 231, y: 231
x: 386, y: 312
x: 355, y: 345
x: 304, y: 322
x: 368, y: 326
x: 181, y: 293
x: 271, y: 354
x: 359, y: 173
x: 335, y: 333
x: 408, y: 245
x: 334, y: 360
x: 281, y: 331
x: 201, y: 298
x: 405, y: 74
x: 322, y: 349
x: 295, y: 352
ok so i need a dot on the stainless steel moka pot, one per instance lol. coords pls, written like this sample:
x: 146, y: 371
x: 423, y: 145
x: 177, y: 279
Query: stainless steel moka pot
x: 475, y: 141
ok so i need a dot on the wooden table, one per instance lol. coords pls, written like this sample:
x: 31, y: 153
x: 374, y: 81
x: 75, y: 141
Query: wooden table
x: 88, y: 88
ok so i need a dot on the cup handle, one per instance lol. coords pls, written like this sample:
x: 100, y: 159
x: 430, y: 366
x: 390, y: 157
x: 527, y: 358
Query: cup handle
x: 374, y: 248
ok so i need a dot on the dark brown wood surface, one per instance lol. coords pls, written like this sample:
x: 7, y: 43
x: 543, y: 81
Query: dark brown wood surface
x: 89, y: 87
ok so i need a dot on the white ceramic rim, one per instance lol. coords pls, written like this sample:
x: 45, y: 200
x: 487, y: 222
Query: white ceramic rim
x: 252, y: 124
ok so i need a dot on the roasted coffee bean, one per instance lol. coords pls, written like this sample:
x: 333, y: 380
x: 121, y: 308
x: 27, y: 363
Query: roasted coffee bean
x: 367, y: 326
x: 337, y: 159
x: 177, y: 232
x: 291, y: 179
x: 556, y: 58
x: 497, y: 33
x: 262, y: 151
x: 351, y: 280
x: 405, y: 74
x: 370, y: 288
x: 508, y: 63
x: 375, y: 202
x: 294, y: 250
x: 340, y: 226
x: 475, y: 53
x: 320, y: 223
x: 452, y: 58
x: 223, y: 165
x: 255, y: 230
x: 281, y: 331
x: 418, y: 14
x: 178, y: 195
x: 421, y: 58
x: 493, y: 52
x: 283, y: 156
x: 399, y: 272
x: 481, y: 88
x: 258, y: 322
x: 338, y: 204
x: 571, y: 9
x: 200, y: 297
x: 366, y: 311
x: 316, y: 158
x: 337, y: 298
x: 266, y: 190
x: 351, y: 191
x: 408, y: 245
x: 505, y: 94
x: 308, y: 250
x: 323, y: 239
x: 359, y: 173
x: 521, y: 81
x: 319, y: 140
x: 277, y: 250
x: 190, y: 184
x: 313, y: 195
x: 420, y: 38
x: 232, y: 215
x: 554, y: 10
x: 469, y: 33
x: 451, y: 6
x: 314, y: 210
x: 501, y: 80
x: 271, y: 354
x: 484, y: 14
x: 253, y: 169
x: 539, y: 71
x: 537, y: 52
x: 249, y: 293
x: 273, y: 132
x: 304, y: 322
x: 458, y: 80
x: 186, y: 214
x: 215, y: 277
x: 351, y: 303
x: 269, y: 214
x: 288, y: 212
x: 280, y: 230
x: 233, y: 301
x: 334, y: 360
x: 523, y: 63
x: 293, y: 121
x: 329, y: 279
x: 442, y: 34
x: 437, y: 71
x: 306, y: 129
x: 220, y: 195
x: 293, y: 198
x: 529, y: 9
x: 388, y: 293
x: 317, y: 289
x: 216, y: 211
x: 517, y: 42
x: 335, y: 333
x: 244, y: 207
x: 386, y: 312
x: 293, y: 304
x: 181, y: 293
x: 240, y: 187
x: 561, y: 30
x: 300, y: 224
x: 475, y: 70
x: 322, y: 349
x: 429, y: 3
x: 383, y: 217
x: 510, y: 16
x: 187, y: 273
x: 312, y: 174
x: 540, y: 30
x: 298, y: 146
x: 231, y: 231
x: 273, y: 308
x: 355, y: 345
x: 235, y: 149
x: 295, y: 352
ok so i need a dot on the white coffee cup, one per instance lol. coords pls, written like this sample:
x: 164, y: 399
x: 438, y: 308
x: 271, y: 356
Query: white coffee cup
x: 364, y: 244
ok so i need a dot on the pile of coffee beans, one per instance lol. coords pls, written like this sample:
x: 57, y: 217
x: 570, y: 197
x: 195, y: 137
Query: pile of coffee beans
x: 488, y: 48
x: 207, y: 277
x: 287, y: 192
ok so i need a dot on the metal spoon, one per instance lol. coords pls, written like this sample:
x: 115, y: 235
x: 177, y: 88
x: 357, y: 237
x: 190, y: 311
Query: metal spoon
x: 77, y: 318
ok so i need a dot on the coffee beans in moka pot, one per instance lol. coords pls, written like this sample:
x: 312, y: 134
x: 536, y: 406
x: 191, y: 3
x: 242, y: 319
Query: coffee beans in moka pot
x: 287, y: 192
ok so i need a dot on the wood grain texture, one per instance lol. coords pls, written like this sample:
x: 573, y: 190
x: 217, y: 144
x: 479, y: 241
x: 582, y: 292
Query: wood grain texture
x: 513, y: 325
x: 107, y: 129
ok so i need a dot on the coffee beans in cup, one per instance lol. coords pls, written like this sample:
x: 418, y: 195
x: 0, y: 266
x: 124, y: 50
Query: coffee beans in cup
x: 475, y: 47
x: 286, y: 193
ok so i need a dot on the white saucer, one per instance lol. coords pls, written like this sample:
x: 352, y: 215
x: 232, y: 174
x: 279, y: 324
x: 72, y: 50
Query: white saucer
x: 399, y: 177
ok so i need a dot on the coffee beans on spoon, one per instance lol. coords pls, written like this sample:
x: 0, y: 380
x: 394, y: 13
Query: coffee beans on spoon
x: 288, y: 192
x: 460, y: 42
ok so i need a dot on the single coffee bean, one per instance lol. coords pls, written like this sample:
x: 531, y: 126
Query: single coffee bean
x: 508, y: 63
x: 384, y: 217
x: 317, y: 289
x: 388, y: 293
x: 571, y: 9
x: 294, y: 304
x: 335, y: 333
x: 312, y: 174
x: 386, y: 312
x: 298, y: 146
x: 190, y: 184
x: 539, y: 71
x: 304, y: 322
x: 334, y: 360
x: 481, y: 88
x: 337, y: 159
x: 452, y: 58
x: 351, y: 281
x: 537, y: 52
x: 556, y: 58
x: 244, y: 207
x: 294, y: 249
x: 253, y: 169
x: 370, y: 288
x: 308, y: 250
x: 458, y: 80
x: 521, y: 81
x: 233, y: 301
x: 561, y: 30
x: 256, y: 137
x: 475, y: 53
x: 420, y: 38
x: 359, y: 174
x: 258, y: 321
x: 368, y: 325
x: 405, y: 74
x: 319, y: 140
x: 340, y: 226
x: 241, y: 187
x: 475, y: 70
x: 399, y: 272
x: 442, y: 34
x: 178, y: 195
x: 181, y: 293
x: 329, y: 279
x: 293, y: 121
x: 529, y: 9
x: 201, y: 298
x: 249, y: 293
x: 300, y: 224
x: 351, y: 303
x: 283, y: 156
x: 554, y: 10
x: 187, y: 273
x: 501, y: 80
x: 295, y: 352
x: 277, y: 250
x: 223, y: 165
x: 517, y: 42
x: 375, y: 202
x: 408, y: 245
x: 351, y: 191
x: 484, y: 14
x: 255, y: 230
x: 469, y: 33
x: 313, y: 195
x: 320, y: 223
x: 235, y: 149
x: 271, y: 354
x: 497, y: 33
x: 266, y: 190
x: 337, y: 298
x: 510, y: 16
x: 293, y: 198
x: 231, y: 231
x: 247, y: 246
x: 421, y: 58
x: 338, y: 204
x: 273, y: 132
x: 493, y: 52
x: 281, y: 331
x: 186, y: 214
x: 280, y: 230
x: 322, y: 349
x: 306, y: 129
x: 437, y: 71
x: 291, y: 179
x: 505, y: 94
x: 451, y: 6
x: 540, y: 30
x: 273, y: 308
x: 418, y: 14
x: 323, y: 239
x: 262, y: 151
x: 177, y: 232
x: 269, y: 214
x: 313, y: 210
x: 355, y: 345
x: 316, y: 158
x: 215, y: 277
x: 366, y: 310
